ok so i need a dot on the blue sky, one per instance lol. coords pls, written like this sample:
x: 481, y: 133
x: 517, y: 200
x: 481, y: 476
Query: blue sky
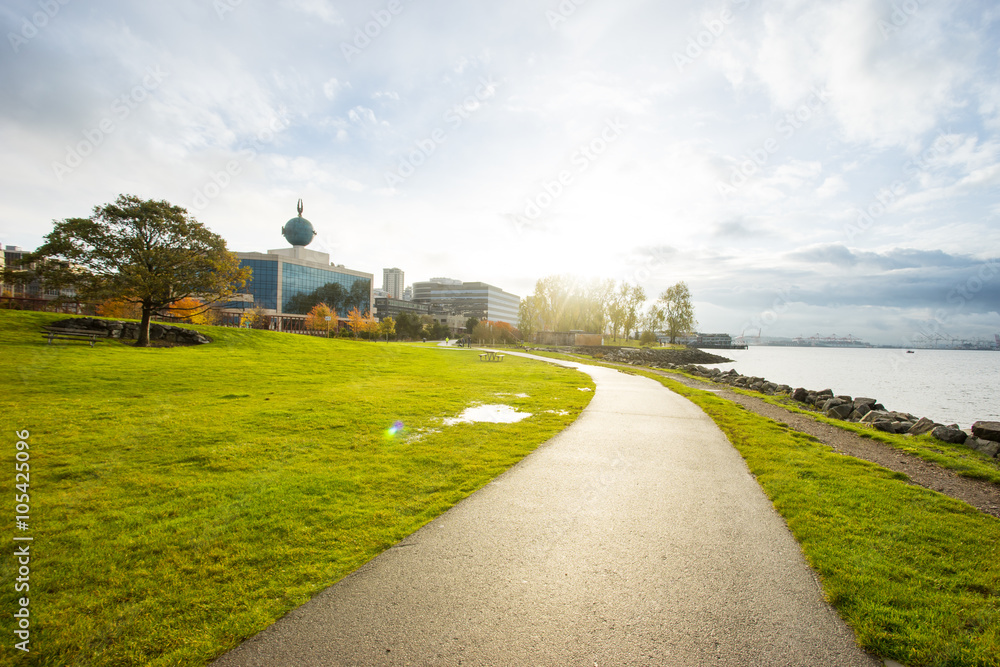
x: 806, y: 167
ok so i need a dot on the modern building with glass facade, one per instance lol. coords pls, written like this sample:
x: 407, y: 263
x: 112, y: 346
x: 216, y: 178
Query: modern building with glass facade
x: 477, y: 300
x: 286, y: 283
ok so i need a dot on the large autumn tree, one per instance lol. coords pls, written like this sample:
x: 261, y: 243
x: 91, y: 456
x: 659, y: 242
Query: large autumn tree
x: 147, y: 252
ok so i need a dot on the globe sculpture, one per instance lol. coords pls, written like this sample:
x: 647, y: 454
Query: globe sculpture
x: 298, y: 230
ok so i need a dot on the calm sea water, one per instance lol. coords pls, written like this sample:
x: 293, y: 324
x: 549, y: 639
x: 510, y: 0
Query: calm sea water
x: 948, y: 386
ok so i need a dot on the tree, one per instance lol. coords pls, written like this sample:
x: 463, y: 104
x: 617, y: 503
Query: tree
x: 319, y: 318
x: 362, y: 324
x: 118, y: 309
x: 408, y: 325
x: 387, y: 327
x: 470, y: 324
x: 147, y: 252
x: 647, y: 338
x: 355, y: 320
x: 678, y: 313
x: 633, y: 299
x: 188, y: 309
x: 255, y: 319
x: 527, y: 317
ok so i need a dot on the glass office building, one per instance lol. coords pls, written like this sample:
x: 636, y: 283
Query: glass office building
x: 478, y: 300
x: 287, y: 283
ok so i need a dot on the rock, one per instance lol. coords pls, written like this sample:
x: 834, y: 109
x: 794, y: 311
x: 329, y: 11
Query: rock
x: 884, y: 425
x: 866, y: 402
x: 988, y: 447
x: 948, y: 434
x: 861, y: 410
x: 825, y: 392
x: 841, y: 411
x: 987, y: 430
x: 875, y: 415
x: 832, y: 403
x: 922, y: 425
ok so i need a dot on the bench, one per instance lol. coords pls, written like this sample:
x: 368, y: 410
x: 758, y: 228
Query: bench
x: 57, y: 333
x: 491, y: 356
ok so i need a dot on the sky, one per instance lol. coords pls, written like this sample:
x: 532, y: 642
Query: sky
x: 806, y: 167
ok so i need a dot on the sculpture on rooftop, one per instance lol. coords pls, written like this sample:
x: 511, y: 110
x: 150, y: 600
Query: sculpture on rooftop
x: 298, y: 231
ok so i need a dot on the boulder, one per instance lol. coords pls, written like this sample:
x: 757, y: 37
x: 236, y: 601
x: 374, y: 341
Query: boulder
x: 863, y: 401
x: 987, y: 430
x: 800, y: 395
x: 988, y: 447
x: 828, y: 393
x: 884, y: 425
x: 832, y: 403
x: 841, y: 411
x: 922, y: 425
x: 949, y: 434
x: 875, y: 415
x: 861, y: 410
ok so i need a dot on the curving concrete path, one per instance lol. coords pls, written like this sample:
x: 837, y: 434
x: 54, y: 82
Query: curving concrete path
x: 636, y: 536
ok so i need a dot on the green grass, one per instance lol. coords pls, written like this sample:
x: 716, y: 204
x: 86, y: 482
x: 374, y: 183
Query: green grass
x: 914, y: 573
x: 182, y: 499
x: 958, y: 458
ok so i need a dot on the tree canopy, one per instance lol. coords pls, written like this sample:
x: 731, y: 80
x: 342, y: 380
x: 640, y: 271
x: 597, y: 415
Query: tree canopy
x: 146, y: 252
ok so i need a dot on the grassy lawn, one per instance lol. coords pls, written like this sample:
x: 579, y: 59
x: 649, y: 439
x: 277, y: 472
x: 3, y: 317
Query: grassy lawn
x: 915, y: 574
x: 183, y: 499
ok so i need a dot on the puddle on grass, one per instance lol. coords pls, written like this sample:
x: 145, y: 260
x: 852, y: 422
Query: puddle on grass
x: 495, y: 414
x: 584, y: 389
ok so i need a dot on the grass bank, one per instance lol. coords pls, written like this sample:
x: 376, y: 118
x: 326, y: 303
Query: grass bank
x: 183, y: 499
x: 915, y: 574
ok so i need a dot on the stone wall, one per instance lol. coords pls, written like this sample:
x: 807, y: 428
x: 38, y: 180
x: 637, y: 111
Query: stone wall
x: 130, y: 330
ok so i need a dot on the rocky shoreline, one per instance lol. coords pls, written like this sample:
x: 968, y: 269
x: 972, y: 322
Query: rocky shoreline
x: 166, y: 333
x: 983, y: 436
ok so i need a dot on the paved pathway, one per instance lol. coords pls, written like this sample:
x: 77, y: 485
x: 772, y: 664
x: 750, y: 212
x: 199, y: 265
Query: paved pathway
x: 636, y: 536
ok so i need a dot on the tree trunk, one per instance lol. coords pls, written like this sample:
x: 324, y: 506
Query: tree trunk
x: 143, y: 339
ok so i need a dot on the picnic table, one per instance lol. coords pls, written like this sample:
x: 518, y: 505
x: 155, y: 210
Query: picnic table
x: 491, y: 355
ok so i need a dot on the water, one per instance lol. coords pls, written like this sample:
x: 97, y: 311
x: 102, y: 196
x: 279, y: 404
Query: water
x: 497, y: 414
x: 948, y: 386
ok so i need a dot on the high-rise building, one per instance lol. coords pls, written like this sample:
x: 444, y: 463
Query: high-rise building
x: 479, y: 300
x: 392, y: 282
